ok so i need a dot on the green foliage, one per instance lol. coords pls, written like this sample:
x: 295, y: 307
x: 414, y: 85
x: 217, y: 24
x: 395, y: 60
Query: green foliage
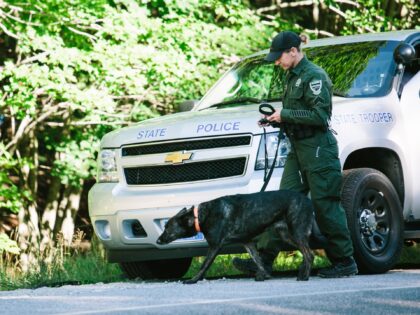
x: 80, y: 69
x: 222, y: 266
x: 98, y: 62
x: 372, y: 16
x: 410, y: 255
x: 12, y: 197
x: 337, y: 17
x: 7, y: 245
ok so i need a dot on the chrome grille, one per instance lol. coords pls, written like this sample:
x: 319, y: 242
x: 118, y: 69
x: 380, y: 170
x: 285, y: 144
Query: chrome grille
x: 186, y: 144
x: 189, y: 172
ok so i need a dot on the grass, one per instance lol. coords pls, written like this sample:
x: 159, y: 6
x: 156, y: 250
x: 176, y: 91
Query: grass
x: 410, y: 256
x: 71, y: 266
x: 285, y: 261
x: 59, y: 266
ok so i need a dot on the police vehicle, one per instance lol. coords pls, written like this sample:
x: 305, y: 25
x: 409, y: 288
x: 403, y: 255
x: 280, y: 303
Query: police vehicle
x: 149, y: 171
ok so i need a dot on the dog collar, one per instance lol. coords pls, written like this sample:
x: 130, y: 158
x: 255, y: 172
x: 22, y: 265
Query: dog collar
x: 196, y: 224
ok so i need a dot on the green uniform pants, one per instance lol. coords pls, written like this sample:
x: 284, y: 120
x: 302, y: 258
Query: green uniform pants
x: 313, y: 165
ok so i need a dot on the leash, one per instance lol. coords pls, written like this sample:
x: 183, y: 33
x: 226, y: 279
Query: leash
x: 267, y: 109
x: 267, y: 176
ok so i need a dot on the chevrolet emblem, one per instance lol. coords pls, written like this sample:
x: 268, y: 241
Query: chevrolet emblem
x: 178, y: 157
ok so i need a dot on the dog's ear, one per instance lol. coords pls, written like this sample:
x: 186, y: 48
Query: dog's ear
x: 181, y: 212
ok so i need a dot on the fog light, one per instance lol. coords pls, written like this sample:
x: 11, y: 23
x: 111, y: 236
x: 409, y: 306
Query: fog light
x: 103, y: 229
x: 133, y: 229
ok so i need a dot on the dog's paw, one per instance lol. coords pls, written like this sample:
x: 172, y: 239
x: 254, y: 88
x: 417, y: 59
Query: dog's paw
x: 190, y: 281
x: 303, y: 273
x: 302, y: 278
x: 260, y: 276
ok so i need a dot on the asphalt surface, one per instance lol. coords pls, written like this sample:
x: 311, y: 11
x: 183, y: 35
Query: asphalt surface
x: 396, y: 292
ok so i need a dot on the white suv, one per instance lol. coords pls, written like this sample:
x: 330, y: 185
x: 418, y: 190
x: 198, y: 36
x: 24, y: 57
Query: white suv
x: 148, y: 172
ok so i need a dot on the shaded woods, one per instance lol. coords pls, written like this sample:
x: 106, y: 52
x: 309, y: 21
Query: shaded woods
x: 69, y: 73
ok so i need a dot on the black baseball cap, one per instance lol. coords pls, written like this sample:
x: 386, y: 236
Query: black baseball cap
x: 281, y: 42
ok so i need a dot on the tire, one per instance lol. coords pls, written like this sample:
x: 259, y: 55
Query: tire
x: 374, y: 218
x: 156, y: 269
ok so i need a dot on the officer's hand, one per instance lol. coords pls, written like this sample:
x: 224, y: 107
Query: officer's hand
x: 263, y: 122
x: 275, y: 117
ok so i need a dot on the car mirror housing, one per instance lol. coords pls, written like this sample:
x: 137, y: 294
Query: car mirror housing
x: 404, y: 53
x: 188, y: 105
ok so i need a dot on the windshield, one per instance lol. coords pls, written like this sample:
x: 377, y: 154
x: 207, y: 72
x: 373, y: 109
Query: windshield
x: 356, y: 69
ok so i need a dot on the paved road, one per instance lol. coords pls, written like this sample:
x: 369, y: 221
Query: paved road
x: 396, y: 292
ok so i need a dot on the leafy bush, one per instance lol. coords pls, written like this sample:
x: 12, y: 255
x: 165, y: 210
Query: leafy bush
x: 7, y: 245
x: 80, y: 69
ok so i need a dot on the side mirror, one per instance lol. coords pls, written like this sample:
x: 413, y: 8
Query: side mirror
x: 404, y: 53
x: 186, y: 106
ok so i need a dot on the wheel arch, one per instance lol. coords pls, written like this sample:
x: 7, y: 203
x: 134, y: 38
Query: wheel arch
x: 382, y: 159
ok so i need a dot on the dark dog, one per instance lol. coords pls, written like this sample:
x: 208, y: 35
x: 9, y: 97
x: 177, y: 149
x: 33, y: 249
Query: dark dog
x: 239, y: 218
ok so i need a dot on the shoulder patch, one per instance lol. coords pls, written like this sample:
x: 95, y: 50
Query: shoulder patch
x: 316, y: 86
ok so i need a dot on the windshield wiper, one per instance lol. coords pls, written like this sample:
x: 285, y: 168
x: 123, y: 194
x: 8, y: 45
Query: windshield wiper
x: 237, y: 101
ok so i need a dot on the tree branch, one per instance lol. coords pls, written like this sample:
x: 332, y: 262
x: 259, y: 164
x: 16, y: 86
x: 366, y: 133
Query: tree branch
x: 24, y: 123
x: 294, y: 4
x: 89, y: 123
x: 4, y: 28
x: 35, y: 58
x: 91, y: 37
x: 338, y: 11
x: 348, y: 2
x: 27, y: 124
x: 317, y: 32
x: 19, y: 20
x: 132, y: 96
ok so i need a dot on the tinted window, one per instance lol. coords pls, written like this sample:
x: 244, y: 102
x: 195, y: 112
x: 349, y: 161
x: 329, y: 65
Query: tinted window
x: 356, y: 69
x: 359, y: 69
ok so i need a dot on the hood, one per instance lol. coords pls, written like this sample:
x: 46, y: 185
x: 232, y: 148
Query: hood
x: 236, y: 120
x: 211, y: 122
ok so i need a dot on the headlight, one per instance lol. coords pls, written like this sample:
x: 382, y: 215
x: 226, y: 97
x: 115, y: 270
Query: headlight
x: 283, y: 149
x: 107, y: 166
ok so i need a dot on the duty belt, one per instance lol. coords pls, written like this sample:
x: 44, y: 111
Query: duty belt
x: 299, y: 131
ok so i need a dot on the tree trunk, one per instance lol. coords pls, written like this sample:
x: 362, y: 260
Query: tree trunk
x: 28, y: 229
x: 49, y: 215
x: 66, y: 212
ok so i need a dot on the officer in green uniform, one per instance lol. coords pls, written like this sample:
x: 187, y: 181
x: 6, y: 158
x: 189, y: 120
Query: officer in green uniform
x: 313, y: 164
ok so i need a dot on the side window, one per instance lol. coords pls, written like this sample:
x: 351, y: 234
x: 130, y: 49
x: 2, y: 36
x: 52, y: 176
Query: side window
x: 364, y: 69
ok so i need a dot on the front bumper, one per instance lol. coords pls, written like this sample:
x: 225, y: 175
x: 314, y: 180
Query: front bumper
x: 120, y: 206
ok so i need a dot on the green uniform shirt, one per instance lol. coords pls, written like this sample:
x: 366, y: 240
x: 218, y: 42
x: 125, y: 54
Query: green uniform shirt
x: 307, y: 95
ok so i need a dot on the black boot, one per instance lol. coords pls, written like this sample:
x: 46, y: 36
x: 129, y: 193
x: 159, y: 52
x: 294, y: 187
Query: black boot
x: 249, y: 267
x: 343, y: 267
